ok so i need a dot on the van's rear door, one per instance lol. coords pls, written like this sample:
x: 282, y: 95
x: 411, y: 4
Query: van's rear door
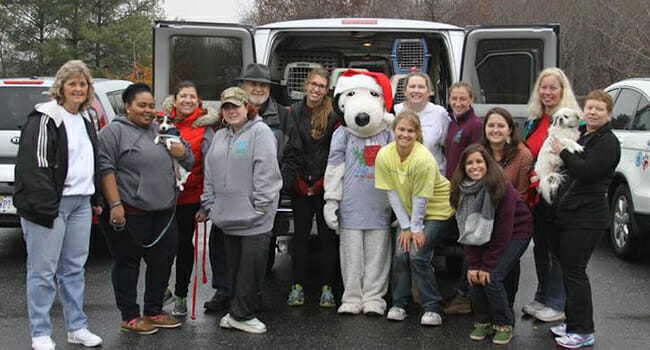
x: 209, y: 54
x: 502, y: 63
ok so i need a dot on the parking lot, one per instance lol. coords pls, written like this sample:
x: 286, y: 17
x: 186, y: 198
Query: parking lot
x: 622, y: 313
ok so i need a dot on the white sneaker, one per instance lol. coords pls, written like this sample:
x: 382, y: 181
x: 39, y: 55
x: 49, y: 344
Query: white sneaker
x: 532, y: 307
x: 225, y: 321
x: 431, y: 318
x: 84, y: 337
x: 374, y: 309
x: 396, y: 314
x: 559, y: 330
x: 250, y: 326
x: 548, y: 314
x: 43, y: 342
x: 349, y: 309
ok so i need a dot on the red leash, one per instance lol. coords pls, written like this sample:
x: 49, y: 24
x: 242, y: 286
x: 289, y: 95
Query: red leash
x: 205, y: 233
x: 196, y: 256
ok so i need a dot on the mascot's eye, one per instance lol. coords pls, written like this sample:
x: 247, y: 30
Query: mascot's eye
x: 374, y: 94
x: 351, y: 93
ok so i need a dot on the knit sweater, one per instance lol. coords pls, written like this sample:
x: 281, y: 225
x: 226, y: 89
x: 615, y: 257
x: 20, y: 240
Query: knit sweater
x: 518, y: 167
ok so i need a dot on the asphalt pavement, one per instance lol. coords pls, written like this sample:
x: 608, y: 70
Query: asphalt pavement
x: 620, y: 291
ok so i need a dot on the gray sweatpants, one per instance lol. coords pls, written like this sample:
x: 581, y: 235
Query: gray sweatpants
x: 365, y: 264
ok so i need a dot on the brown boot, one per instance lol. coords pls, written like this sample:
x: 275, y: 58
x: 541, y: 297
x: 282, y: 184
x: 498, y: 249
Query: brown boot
x: 458, y: 305
x: 138, y: 325
x: 163, y: 321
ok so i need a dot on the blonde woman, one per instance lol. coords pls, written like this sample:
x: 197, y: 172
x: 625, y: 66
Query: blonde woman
x: 56, y: 182
x: 552, y: 91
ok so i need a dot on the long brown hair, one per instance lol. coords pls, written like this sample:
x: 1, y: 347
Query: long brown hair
x: 320, y: 113
x: 510, y: 148
x: 494, y: 179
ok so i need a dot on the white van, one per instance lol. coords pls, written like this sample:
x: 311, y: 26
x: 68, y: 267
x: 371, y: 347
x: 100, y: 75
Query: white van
x: 501, y: 62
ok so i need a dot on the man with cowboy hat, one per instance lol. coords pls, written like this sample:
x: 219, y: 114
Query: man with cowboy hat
x: 256, y: 81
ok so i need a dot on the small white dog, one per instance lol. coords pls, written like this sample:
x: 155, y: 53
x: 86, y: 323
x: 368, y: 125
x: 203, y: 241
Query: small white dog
x: 565, y: 130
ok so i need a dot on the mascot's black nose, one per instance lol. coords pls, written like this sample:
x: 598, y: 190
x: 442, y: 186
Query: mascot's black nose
x: 362, y: 119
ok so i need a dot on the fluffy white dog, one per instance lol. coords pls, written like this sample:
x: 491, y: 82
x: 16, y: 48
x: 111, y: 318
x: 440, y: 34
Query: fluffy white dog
x: 565, y: 130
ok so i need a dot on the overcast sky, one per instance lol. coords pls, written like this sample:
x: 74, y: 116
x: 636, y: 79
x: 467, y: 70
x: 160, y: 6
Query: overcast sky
x: 206, y: 10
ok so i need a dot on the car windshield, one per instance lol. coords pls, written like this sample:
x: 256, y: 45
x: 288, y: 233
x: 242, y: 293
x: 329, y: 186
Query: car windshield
x: 19, y: 102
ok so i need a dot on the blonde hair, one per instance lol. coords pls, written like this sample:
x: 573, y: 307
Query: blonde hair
x: 69, y: 70
x: 462, y: 85
x: 535, y: 106
x: 321, y: 112
x: 412, y: 118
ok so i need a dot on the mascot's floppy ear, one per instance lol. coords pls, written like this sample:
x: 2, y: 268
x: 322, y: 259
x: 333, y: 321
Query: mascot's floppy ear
x: 337, y: 109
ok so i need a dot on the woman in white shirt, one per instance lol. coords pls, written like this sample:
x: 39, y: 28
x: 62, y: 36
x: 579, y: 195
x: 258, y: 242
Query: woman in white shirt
x: 433, y: 118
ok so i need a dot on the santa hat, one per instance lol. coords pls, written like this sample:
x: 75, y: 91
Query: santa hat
x: 377, y: 82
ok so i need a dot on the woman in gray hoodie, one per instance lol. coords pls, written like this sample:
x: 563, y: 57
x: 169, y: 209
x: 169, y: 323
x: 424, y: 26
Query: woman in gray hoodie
x: 240, y: 195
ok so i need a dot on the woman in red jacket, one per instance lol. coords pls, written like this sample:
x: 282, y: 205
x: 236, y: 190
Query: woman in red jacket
x: 495, y: 227
x: 196, y: 126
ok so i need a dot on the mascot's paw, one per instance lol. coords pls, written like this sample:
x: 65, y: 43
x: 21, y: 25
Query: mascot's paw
x: 330, y: 215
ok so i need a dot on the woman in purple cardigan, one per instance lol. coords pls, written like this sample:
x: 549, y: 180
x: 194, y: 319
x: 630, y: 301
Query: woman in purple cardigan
x: 495, y: 227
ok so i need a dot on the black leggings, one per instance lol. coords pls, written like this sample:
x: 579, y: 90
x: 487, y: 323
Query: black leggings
x: 304, y: 209
x: 574, y: 248
x: 185, y: 252
x: 127, y: 254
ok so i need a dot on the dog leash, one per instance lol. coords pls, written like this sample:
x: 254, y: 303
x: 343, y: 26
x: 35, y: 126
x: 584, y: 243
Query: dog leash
x: 196, y: 266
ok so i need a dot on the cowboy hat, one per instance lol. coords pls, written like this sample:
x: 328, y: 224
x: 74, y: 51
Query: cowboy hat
x: 257, y: 72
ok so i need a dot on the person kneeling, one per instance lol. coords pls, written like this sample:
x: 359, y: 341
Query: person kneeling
x: 495, y: 227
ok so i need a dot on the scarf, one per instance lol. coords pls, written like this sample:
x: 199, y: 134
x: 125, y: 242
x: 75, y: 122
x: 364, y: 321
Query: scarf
x: 475, y: 213
x: 175, y: 118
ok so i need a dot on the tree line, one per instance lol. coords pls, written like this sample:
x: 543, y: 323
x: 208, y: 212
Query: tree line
x: 602, y: 41
x: 114, y: 37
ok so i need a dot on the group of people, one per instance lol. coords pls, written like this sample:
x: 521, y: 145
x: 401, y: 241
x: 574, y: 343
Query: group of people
x: 438, y: 171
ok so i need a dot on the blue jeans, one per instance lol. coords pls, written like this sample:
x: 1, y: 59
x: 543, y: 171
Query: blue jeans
x: 59, y: 251
x: 550, y: 289
x: 490, y: 302
x: 417, y: 265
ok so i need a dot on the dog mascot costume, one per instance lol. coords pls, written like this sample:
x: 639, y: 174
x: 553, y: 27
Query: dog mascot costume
x: 354, y: 208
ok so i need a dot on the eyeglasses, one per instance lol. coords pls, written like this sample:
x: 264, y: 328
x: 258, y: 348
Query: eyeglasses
x: 317, y: 86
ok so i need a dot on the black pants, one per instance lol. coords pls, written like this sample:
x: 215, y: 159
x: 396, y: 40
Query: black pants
x: 185, y: 252
x: 304, y: 209
x: 127, y: 253
x: 246, y: 258
x: 574, y: 248
x: 218, y: 262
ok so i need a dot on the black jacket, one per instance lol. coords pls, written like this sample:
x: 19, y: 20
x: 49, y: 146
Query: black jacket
x: 42, y: 164
x: 582, y: 201
x: 277, y: 118
x: 306, y: 156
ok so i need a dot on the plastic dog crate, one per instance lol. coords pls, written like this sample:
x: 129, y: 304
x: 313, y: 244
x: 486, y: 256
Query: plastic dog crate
x: 409, y: 53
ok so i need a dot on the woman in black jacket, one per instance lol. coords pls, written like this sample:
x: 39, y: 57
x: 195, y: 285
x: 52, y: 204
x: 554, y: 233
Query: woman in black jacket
x: 581, y: 213
x: 307, y: 157
x: 56, y: 181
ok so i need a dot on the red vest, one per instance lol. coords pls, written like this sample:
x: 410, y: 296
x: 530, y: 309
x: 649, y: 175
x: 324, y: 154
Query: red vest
x: 194, y: 185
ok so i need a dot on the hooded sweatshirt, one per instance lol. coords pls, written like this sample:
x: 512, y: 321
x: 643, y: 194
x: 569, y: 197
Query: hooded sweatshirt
x: 242, y: 179
x: 143, y: 170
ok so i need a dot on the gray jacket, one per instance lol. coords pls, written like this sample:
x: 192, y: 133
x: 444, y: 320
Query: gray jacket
x: 242, y: 180
x: 143, y: 170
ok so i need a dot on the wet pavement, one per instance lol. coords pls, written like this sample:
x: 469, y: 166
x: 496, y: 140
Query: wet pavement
x: 621, y: 299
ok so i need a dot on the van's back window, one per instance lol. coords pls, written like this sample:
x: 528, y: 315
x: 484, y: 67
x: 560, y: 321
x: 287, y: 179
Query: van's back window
x: 18, y: 102
x: 212, y: 63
